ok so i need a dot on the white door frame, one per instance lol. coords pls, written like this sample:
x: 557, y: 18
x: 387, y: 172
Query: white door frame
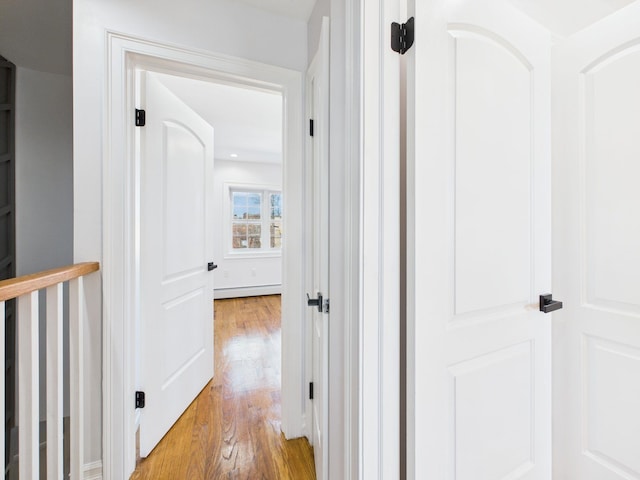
x: 357, y: 365
x: 379, y: 244
x: 121, y: 199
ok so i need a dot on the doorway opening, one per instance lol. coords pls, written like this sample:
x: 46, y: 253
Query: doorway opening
x: 121, y: 287
x: 246, y: 223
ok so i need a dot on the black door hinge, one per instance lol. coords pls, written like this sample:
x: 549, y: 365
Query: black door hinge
x: 140, y: 399
x: 325, y: 306
x: 402, y: 36
x: 311, y: 127
x: 141, y: 118
x: 310, y: 390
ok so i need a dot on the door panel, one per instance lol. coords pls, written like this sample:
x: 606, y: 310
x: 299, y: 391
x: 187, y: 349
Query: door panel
x: 479, y: 353
x: 596, y: 254
x: 176, y: 235
x: 492, y: 87
x: 612, y: 146
x: 506, y: 420
x: 184, y: 215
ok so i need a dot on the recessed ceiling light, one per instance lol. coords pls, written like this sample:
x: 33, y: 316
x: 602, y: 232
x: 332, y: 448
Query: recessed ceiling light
x: 234, y: 155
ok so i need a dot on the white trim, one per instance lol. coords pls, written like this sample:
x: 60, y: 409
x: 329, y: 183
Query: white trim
x: 380, y: 246
x: 238, y: 292
x: 125, y: 53
x: 253, y: 253
x: 352, y: 217
x: 92, y: 471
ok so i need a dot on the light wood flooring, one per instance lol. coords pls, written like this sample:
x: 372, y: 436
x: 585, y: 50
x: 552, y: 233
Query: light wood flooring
x: 232, y: 429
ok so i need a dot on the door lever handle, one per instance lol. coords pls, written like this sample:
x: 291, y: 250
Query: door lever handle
x: 548, y: 304
x: 315, y: 302
x: 211, y: 266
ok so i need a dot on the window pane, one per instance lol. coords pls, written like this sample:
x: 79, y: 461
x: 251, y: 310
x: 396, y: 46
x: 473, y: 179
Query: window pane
x: 254, y: 213
x: 276, y: 206
x: 239, y: 199
x: 239, y: 205
x: 253, y: 199
x: 239, y: 229
x: 239, y: 212
x: 255, y: 229
x: 276, y: 235
x: 239, y: 235
x: 254, y: 242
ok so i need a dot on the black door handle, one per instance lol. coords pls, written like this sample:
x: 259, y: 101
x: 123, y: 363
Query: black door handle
x: 315, y: 302
x: 548, y: 304
x: 211, y: 266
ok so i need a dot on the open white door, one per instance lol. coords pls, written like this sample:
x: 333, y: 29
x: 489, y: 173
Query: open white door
x: 479, y: 243
x: 597, y: 250
x: 176, y: 246
x: 318, y: 181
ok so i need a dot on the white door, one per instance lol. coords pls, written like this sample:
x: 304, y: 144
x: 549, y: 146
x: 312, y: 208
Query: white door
x: 596, y: 124
x: 176, y: 245
x: 479, y: 253
x: 317, y: 84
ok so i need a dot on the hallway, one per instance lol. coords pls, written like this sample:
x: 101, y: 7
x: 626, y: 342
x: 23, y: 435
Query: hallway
x: 232, y: 430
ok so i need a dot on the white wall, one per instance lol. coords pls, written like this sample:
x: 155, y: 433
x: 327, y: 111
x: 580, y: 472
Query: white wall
x: 44, y: 181
x: 218, y: 26
x: 44, y: 171
x: 240, y: 273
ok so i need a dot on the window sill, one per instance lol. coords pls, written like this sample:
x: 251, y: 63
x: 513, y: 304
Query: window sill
x: 255, y: 254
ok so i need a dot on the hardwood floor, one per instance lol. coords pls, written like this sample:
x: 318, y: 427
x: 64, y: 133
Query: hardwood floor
x: 232, y: 429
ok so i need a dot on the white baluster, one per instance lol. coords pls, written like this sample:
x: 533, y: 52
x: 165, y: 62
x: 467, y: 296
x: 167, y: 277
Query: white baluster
x: 76, y: 381
x: 55, y: 390
x: 28, y: 388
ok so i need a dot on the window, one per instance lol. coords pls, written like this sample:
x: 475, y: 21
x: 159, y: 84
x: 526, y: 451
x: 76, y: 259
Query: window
x: 247, y: 219
x: 275, y: 230
x: 256, y: 220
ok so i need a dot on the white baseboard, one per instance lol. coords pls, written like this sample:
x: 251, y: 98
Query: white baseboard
x: 220, y: 293
x: 92, y: 471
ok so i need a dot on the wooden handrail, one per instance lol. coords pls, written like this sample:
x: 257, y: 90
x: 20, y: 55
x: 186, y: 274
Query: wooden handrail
x: 16, y: 287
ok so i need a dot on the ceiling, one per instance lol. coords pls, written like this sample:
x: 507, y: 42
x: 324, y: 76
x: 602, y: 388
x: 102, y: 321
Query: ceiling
x: 565, y: 17
x: 36, y: 34
x: 50, y: 50
x: 246, y: 122
x: 298, y: 9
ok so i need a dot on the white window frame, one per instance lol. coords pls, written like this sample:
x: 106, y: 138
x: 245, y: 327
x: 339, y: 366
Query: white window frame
x: 265, y: 220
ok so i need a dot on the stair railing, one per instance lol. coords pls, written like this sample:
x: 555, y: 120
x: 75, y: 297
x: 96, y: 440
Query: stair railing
x: 26, y: 290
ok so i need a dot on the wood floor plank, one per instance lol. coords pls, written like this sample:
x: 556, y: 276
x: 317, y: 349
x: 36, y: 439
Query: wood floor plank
x: 232, y: 429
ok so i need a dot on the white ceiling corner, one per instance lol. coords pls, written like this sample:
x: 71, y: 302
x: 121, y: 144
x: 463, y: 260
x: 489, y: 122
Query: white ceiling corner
x: 566, y: 17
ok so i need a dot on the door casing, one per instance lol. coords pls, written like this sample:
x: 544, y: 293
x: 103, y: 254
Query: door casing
x: 354, y: 369
x: 120, y: 261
